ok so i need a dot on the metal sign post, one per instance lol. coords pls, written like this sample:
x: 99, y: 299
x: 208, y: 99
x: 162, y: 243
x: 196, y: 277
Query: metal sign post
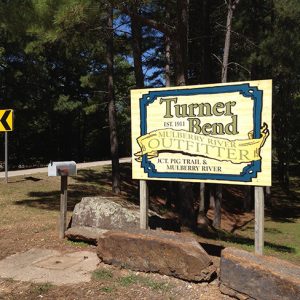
x: 6, y: 124
x: 6, y: 157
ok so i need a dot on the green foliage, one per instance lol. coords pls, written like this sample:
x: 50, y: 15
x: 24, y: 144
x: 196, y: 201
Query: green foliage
x: 65, y: 105
x: 42, y: 288
x: 132, y: 279
x: 53, y: 74
x: 107, y: 289
x: 53, y: 68
x: 102, y: 274
x: 77, y: 243
x: 129, y: 280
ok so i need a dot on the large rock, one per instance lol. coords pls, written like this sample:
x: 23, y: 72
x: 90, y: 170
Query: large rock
x: 104, y: 213
x: 250, y: 276
x: 94, y: 214
x: 167, y: 253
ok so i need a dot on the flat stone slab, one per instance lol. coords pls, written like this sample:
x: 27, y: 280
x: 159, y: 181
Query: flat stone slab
x: 258, y: 277
x: 59, y: 262
x: 84, y: 233
x: 167, y: 253
x: 49, y: 266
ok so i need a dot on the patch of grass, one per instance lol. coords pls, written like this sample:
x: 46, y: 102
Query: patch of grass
x: 144, y: 281
x: 129, y: 280
x: 282, y: 239
x: 107, y: 289
x: 102, y: 274
x: 155, y: 285
x: 42, y: 288
x: 77, y: 243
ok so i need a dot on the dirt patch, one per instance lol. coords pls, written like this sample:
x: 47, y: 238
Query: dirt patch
x: 29, y: 209
x: 112, y: 283
x: 29, y: 219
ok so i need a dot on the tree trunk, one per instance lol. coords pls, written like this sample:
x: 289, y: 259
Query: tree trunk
x: 218, y: 205
x: 268, y: 197
x: 136, y: 31
x: 218, y: 195
x: 282, y: 129
x: 202, y: 220
x: 186, y: 195
x: 206, y: 74
x: 230, y: 7
x: 180, y: 41
x: 172, y: 186
x: 111, y: 104
x: 248, y: 203
x: 168, y: 60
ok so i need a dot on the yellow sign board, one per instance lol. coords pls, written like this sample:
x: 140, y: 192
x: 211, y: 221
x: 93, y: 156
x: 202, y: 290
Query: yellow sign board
x: 218, y: 133
x: 6, y: 120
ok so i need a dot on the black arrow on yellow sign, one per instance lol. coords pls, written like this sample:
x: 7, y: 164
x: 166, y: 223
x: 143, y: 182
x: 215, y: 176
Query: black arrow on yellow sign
x: 6, y: 120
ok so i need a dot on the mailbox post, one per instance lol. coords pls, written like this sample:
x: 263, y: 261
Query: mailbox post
x: 63, y: 169
x: 63, y: 206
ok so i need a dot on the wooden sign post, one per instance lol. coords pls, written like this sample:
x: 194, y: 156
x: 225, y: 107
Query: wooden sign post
x: 144, y: 204
x: 215, y: 133
x: 259, y: 219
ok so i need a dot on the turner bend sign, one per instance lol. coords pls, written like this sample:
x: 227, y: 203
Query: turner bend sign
x: 219, y: 133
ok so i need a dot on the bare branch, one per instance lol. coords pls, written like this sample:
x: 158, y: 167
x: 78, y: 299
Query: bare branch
x: 238, y: 34
x: 242, y: 67
x: 218, y: 58
x: 162, y: 27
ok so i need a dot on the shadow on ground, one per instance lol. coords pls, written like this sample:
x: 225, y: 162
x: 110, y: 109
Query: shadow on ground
x: 88, y: 183
x: 284, y: 206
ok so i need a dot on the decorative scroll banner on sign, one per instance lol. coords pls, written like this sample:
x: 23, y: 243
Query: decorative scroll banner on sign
x: 235, y: 151
x: 212, y: 133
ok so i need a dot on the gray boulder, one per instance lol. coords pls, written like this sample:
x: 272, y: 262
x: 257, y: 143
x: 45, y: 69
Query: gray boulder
x: 94, y: 214
x: 104, y: 213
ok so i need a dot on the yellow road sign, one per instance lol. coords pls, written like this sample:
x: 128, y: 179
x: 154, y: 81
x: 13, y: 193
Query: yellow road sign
x: 6, y: 120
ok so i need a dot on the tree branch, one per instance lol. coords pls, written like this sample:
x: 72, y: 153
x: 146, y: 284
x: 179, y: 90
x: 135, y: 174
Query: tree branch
x: 242, y: 67
x: 217, y: 57
x: 162, y: 27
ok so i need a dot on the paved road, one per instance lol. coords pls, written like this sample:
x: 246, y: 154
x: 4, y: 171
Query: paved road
x: 79, y: 166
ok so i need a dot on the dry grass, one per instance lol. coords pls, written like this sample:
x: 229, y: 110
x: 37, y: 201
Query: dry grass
x: 29, y: 207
